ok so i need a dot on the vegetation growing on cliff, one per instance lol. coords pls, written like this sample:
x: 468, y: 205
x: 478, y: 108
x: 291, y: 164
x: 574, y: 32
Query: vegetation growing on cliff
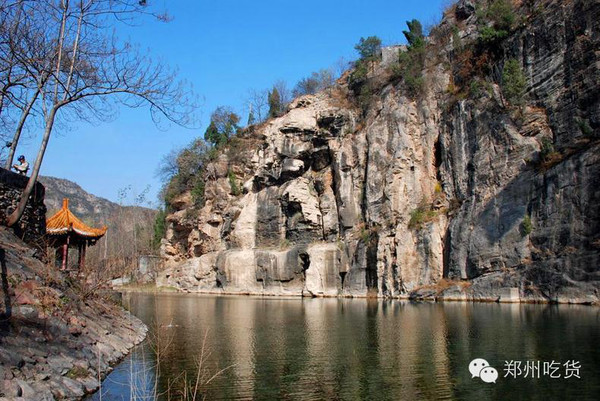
x: 514, y: 82
x: 412, y: 61
x: 496, y: 22
x: 160, y: 228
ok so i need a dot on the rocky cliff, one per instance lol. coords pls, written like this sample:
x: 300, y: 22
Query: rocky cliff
x: 453, y: 193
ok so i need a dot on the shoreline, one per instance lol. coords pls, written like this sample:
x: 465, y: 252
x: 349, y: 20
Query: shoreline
x: 57, y: 340
x: 66, y: 360
x: 427, y: 297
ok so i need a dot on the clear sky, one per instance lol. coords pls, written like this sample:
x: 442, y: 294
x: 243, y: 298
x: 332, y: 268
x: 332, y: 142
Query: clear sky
x: 224, y: 48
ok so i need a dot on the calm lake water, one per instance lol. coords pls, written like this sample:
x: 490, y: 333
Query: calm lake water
x: 357, y: 349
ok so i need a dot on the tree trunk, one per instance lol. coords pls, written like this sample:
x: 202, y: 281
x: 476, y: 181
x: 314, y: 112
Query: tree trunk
x: 17, y: 136
x: 18, y: 212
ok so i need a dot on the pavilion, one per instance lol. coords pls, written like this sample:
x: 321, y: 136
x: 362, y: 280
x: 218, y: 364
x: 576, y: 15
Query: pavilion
x: 65, y: 230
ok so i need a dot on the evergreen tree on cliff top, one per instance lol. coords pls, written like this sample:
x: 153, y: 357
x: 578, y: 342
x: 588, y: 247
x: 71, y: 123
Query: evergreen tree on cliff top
x: 369, y: 48
x: 275, y: 106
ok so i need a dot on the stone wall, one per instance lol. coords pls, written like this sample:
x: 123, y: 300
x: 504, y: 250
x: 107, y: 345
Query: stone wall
x: 32, y: 226
x: 390, y: 54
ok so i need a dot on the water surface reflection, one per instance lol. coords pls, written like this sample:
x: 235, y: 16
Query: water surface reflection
x: 317, y: 349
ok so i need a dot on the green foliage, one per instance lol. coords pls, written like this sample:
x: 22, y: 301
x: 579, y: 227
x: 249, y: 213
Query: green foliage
x: 411, y: 62
x: 365, y: 234
x: 547, y: 148
x: 211, y: 154
x: 275, y: 105
x: 502, y: 14
x: 414, y: 35
x: 369, y: 48
x: 77, y: 372
x: 188, y: 172
x: 360, y: 85
x: 223, y: 125
x: 421, y: 215
x: 212, y: 135
x: 475, y: 89
x: 526, y: 225
x: 160, y: 228
x: 197, y: 192
x: 457, y: 43
x: 584, y: 126
x: 251, y: 118
x: 489, y: 35
x: 514, y: 82
x: 235, y: 188
x: 502, y: 17
x: 359, y: 74
x: 548, y: 156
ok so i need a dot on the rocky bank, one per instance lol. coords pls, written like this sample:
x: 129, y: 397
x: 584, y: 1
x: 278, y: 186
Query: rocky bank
x: 62, y: 337
x: 451, y: 194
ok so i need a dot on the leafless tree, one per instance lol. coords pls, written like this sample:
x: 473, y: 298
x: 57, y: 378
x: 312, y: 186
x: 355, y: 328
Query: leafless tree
x: 15, y: 83
x: 285, y: 94
x: 258, y: 101
x: 82, y: 71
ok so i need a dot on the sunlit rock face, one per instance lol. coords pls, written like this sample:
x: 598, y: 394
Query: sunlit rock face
x: 434, y: 197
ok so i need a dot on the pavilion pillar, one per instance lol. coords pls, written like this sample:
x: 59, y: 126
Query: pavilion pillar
x: 65, y: 258
x: 82, y: 249
x: 79, y: 256
x: 65, y: 255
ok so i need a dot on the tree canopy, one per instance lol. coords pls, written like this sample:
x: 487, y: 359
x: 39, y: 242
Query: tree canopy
x: 223, y: 125
x: 369, y: 48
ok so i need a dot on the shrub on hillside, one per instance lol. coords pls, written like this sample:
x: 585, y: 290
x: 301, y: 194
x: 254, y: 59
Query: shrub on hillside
x: 496, y: 21
x: 514, y: 82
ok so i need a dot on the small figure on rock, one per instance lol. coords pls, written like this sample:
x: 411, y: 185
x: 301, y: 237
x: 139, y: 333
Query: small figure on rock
x: 23, y: 166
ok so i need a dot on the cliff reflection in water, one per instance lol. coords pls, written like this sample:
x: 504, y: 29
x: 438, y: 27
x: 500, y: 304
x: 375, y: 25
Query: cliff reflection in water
x: 315, y: 349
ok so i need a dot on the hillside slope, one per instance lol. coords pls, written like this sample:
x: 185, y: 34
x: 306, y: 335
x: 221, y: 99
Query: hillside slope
x: 462, y: 187
x: 57, y: 337
x: 82, y: 203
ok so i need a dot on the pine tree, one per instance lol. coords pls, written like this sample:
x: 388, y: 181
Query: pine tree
x: 414, y: 35
x: 274, y: 103
x: 369, y: 48
x: 212, y: 134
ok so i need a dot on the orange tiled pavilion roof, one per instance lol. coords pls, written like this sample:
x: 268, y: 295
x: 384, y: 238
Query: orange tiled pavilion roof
x: 64, y: 222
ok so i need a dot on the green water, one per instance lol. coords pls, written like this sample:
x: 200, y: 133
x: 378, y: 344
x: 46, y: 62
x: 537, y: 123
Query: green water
x: 355, y: 349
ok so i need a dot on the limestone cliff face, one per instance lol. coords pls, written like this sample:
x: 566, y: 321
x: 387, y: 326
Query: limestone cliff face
x: 442, y: 196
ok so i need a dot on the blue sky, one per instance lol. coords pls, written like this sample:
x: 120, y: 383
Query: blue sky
x: 223, y: 48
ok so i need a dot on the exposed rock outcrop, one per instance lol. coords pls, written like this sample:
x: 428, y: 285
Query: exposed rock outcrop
x: 444, y: 196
